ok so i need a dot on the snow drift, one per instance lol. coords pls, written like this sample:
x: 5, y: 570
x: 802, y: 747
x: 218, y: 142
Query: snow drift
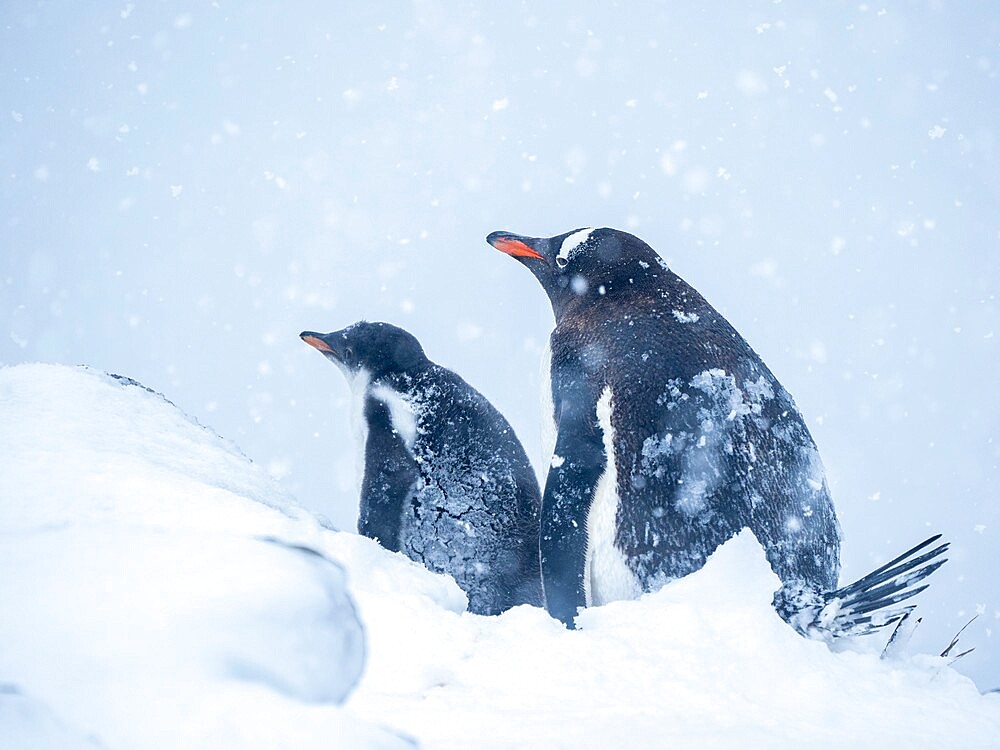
x: 159, y: 590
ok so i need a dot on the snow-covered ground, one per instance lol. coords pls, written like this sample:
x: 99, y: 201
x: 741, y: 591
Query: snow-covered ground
x: 159, y: 590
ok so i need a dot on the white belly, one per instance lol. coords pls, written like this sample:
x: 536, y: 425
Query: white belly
x: 358, y: 383
x: 607, y: 577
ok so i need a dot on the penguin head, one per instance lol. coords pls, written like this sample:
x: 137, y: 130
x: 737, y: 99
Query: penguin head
x: 378, y: 348
x: 581, y: 264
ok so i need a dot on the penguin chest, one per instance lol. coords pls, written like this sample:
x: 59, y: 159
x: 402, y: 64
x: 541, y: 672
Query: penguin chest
x: 402, y: 413
x: 395, y: 430
x: 607, y: 576
x: 359, y: 382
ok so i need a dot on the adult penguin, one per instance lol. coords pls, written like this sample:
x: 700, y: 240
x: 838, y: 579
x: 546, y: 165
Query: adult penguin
x: 671, y: 435
x: 446, y: 480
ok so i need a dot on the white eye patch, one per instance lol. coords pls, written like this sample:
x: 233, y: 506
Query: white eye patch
x: 570, y: 244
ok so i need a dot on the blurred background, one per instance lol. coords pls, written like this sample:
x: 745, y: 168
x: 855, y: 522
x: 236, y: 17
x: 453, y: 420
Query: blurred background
x: 186, y: 186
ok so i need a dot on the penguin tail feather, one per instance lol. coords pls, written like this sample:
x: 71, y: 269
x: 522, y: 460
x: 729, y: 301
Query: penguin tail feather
x: 954, y: 642
x: 872, y: 602
x: 901, y: 634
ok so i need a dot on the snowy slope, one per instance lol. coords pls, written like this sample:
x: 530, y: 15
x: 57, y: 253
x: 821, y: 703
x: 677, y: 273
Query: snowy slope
x: 144, y: 606
x: 150, y: 596
x: 705, y: 662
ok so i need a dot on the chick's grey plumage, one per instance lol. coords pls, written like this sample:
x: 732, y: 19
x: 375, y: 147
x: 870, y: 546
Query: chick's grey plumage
x: 446, y: 480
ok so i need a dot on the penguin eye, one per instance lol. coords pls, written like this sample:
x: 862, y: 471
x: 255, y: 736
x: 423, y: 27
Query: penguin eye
x: 349, y: 354
x: 562, y: 262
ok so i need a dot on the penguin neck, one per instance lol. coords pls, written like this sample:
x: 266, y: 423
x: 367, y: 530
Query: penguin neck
x: 567, y: 303
x: 400, y: 377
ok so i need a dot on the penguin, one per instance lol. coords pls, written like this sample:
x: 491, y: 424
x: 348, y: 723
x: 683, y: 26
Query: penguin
x: 445, y: 479
x: 671, y: 435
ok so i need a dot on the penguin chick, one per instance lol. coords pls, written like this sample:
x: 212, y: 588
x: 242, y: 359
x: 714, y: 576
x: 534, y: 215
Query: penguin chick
x: 445, y: 479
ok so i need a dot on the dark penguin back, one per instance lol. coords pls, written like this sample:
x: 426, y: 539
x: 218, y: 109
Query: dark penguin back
x: 706, y: 440
x: 473, y: 504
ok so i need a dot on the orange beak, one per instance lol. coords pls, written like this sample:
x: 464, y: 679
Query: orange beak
x: 318, y: 343
x: 514, y: 247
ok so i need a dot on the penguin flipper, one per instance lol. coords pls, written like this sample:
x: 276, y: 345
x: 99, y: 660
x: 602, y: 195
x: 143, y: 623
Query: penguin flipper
x: 869, y: 603
x: 391, y: 474
x: 576, y: 468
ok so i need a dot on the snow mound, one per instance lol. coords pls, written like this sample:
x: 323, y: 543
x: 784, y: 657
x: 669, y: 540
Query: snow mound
x: 158, y: 589
x: 94, y: 447
x: 704, y: 662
